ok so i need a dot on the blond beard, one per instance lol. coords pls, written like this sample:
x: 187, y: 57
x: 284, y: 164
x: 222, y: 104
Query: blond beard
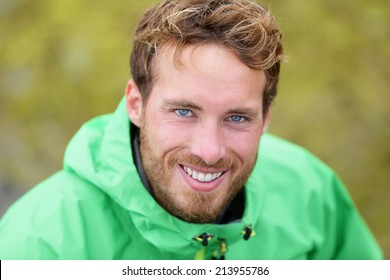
x: 200, y: 207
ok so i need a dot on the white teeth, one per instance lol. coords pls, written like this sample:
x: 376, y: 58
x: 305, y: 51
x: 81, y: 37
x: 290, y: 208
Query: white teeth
x: 217, y: 175
x: 188, y: 170
x: 201, y: 177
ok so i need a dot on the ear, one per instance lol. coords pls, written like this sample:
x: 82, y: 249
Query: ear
x: 266, y: 120
x: 133, y: 103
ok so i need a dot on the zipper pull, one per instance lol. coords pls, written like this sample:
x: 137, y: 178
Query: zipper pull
x: 223, y: 248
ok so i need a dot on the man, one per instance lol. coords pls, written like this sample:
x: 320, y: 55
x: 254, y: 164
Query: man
x: 177, y: 172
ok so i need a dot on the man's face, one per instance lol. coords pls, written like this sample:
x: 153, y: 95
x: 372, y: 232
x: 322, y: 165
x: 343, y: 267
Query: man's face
x: 200, y: 129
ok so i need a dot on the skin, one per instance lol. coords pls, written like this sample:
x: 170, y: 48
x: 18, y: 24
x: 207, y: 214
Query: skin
x: 204, y: 112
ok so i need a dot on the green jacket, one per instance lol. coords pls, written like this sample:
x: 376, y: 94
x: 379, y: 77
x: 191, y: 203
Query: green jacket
x: 97, y: 208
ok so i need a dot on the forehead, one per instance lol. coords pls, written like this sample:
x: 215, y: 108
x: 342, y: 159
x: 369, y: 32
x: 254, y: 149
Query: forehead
x: 204, y: 63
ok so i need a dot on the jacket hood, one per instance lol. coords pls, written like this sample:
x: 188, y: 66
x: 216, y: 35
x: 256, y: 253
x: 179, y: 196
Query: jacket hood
x: 100, y: 153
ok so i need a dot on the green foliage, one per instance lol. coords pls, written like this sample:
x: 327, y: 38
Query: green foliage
x: 64, y: 62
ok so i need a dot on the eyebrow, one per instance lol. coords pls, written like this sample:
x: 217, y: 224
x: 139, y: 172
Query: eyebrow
x: 245, y: 111
x: 171, y: 103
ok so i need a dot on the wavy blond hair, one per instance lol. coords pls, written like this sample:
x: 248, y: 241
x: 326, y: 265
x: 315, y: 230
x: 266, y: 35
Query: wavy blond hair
x: 243, y: 26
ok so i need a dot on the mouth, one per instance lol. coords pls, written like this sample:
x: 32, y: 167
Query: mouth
x: 202, y: 181
x: 200, y: 176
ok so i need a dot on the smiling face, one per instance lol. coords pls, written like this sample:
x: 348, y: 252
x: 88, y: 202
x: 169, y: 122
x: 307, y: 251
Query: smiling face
x: 200, y: 129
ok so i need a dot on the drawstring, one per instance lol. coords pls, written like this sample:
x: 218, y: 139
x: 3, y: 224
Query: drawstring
x: 220, y: 253
x: 248, y: 232
x: 222, y: 250
x: 204, y: 238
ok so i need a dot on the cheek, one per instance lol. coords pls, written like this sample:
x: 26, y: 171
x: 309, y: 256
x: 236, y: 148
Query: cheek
x: 244, y: 145
x: 166, y: 136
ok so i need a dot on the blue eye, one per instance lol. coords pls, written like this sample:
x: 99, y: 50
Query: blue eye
x: 185, y: 113
x: 237, y: 119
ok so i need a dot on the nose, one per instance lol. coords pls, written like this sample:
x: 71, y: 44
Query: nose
x: 209, y: 143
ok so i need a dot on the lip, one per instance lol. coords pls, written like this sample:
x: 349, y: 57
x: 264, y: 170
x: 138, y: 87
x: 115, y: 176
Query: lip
x: 202, y: 169
x: 201, y: 186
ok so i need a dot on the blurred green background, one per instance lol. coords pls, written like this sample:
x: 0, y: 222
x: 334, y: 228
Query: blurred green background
x: 64, y: 62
